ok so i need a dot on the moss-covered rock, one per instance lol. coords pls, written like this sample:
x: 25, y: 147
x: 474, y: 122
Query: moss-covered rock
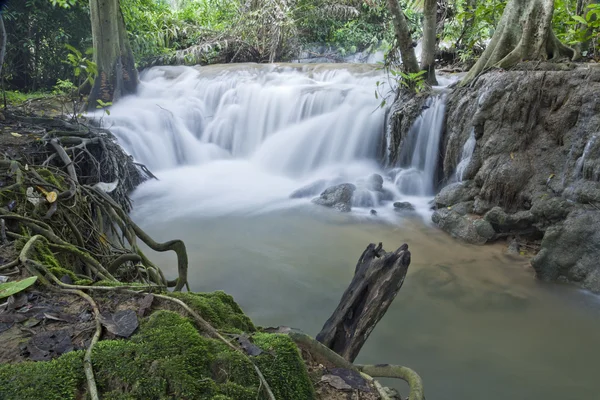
x: 168, y: 359
x: 219, y: 309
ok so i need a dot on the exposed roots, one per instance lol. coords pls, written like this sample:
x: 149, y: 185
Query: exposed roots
x: 524, y: 33
x: 83, y: 216
x: 376, y: 371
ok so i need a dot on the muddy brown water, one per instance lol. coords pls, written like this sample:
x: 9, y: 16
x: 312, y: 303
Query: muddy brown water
x: 471, y: 320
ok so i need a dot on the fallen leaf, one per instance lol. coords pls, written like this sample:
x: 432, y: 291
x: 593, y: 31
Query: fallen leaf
x: 351, y: 378
x: 51, y: 197
x: 121, y: 323
x: 107, y: 187
x: 145, y: 304
x: 31, y: 322
x: 17, y: 301
x: 10, y: 288
x: 47, y: 345
x: 15, y: 134
x: 336, y: 382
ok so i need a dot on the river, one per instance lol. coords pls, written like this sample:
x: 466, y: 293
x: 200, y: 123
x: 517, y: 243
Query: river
x: 231, y: 143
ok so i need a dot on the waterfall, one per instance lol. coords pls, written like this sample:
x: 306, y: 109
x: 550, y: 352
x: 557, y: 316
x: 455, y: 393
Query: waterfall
x: 420, y: 154
x: 465, y: 159
x: 250, y: 138
x: 578, y: 173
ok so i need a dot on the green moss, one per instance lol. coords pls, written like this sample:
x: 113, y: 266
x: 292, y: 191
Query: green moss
x: 219, y: 309
x: 283, y: 367
x: 59, y: 379
x: 166, y: 359
x: 83, y: 282
x: 59, y: 272
x: 52, y: 179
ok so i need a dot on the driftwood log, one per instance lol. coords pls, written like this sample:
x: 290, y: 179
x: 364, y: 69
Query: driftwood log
x: 377, y: 280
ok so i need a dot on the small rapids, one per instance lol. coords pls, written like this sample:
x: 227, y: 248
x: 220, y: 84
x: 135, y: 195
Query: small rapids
x: 241, y: 139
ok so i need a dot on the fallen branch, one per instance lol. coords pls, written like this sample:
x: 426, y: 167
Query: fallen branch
x: 378, y: 277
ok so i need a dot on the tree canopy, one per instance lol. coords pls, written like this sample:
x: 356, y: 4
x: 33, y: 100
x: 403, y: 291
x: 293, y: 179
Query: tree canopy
x: 41, y: 34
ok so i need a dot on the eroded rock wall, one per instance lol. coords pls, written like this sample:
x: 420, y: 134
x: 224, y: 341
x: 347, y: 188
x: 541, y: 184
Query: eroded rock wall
x: 535, y: 170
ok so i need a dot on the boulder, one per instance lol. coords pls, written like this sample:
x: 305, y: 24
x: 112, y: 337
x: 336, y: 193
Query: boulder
x: 338, y: 197
x: 375, y: 182
x: 474, y: 231
x: 455, y: 193
x: 464, y: 208
x: 519, y: 222
x: 571, y: 250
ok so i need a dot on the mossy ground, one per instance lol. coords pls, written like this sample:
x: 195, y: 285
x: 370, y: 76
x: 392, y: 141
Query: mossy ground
x: 167, y: 359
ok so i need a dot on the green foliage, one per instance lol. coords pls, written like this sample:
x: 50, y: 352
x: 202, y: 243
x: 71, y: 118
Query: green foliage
x: 37, y: 32
x: 155, y: 28
x: 83, y: 67
x: 576, y: 29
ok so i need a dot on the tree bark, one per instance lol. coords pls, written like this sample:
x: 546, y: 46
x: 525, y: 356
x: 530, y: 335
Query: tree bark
x: 429, y: 40
x: 377, y: 280
x: 403, y: 37
x: 2, y: 43
x: 523, y: 33
x: 117, y: 75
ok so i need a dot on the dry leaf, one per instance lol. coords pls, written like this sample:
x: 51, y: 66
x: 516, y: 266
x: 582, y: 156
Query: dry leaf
x: 51, y: 197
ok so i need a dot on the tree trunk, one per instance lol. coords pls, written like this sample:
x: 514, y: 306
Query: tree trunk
x: 377, y: 280
x: 117, y: 75
x: 523, y: 33
x: 2, y: 43
x: 429, y: 40
x: 403, y: 37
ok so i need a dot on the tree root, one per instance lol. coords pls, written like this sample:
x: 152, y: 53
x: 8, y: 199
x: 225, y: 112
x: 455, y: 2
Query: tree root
x: 376, y: 371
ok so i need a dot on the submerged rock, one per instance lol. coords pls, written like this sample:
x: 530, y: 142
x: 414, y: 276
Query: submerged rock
x: 476, y: 231
x: 402, y: 206
x: 338, y: 197
x: 375, y: 183
x: 572, y: 250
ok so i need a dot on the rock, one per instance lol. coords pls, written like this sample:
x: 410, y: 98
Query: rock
x: 481, y: 206
x: 364, y: 198
x: 375, y: 183
x: 386, y: 195
x: 338, y: 197
x: 462, y: 227
x: 513, y: 247
x: 455, y: 193
x: 584, y: 192
x: 402, y: 206
x: 502, y: 222
x: 572, y: 250
x: 484, y: 229
x: 549, y: 210
x: 309, y: 190
x: 464, y: 208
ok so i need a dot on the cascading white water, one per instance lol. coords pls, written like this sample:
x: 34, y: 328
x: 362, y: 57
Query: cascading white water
x: 242, y: 138
x: 466, y: 156
x: 578, y: 173
x: 419, y: 156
